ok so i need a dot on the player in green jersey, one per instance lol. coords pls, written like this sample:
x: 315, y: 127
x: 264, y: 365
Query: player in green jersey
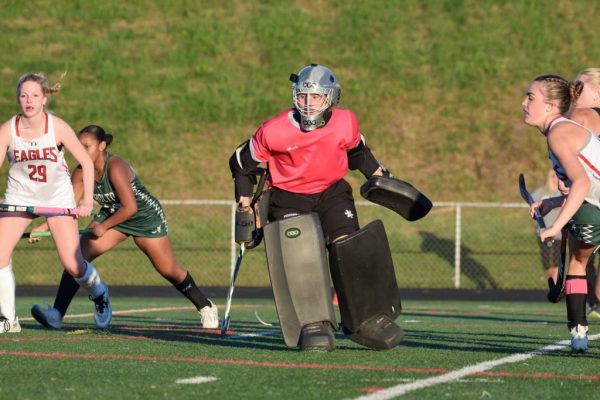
x: 127, y: 209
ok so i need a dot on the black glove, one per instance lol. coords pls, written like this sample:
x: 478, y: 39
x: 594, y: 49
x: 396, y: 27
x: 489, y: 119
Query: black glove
x: 244, y: 225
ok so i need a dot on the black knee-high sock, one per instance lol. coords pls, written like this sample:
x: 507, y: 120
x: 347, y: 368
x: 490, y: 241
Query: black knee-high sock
x: 590, y: 275
x: 576, y: 288
x: 188, y: 288
x: 67, y: 289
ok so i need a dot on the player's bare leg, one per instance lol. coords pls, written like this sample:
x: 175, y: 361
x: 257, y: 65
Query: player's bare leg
x: 65, y: 233
x: 160, y: 252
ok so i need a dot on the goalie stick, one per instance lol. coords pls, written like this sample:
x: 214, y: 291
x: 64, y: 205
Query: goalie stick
x: 236, y: 267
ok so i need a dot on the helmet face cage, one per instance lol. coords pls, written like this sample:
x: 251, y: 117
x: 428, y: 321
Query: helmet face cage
x: 314, y: 80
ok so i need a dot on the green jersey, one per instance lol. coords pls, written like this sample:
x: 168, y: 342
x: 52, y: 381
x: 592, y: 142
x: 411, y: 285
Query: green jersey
x: 148, y: 221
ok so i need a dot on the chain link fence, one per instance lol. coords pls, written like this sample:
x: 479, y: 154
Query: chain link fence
x: 458, y: 245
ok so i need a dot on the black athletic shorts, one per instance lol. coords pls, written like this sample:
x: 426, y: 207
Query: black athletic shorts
x: 335, y: 207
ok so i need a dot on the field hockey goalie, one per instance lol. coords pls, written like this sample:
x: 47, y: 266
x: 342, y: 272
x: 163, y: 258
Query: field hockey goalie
x: 301, y: 269
x: 363, y: 275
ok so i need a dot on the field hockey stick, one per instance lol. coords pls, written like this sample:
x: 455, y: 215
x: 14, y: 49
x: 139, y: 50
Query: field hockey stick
x: 556, y: 289
x: 529, y: 199
x: 257, y: 235
x: 234, y: 274
x: 238, y: 262
x: 41, y: 211
x: 27, y: 235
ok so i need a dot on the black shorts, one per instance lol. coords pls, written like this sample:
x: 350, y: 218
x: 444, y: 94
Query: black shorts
x: 335, y: 207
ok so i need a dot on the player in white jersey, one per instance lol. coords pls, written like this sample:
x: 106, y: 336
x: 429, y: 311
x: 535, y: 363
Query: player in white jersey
x: 38, y: 176
x: 38, y: 173
x: 589, y: 158
x: 575, y: 155
x: 587, y: 113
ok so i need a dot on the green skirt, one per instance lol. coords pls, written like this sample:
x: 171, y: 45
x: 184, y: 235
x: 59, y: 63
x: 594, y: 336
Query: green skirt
x: 151, y: 223
x: 585, y: 224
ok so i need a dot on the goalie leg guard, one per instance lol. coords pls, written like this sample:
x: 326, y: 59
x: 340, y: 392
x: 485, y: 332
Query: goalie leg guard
x: 363, y: 275
x: 299, y: 274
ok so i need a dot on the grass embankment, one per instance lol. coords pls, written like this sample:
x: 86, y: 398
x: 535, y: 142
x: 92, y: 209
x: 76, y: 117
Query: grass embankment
x: 436, y: 85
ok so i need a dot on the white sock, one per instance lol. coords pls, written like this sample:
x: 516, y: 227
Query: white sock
x: 7, y: 293
x: 91, y: 281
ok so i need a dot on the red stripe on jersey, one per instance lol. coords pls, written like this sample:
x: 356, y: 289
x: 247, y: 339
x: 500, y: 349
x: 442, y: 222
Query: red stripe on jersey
x: 19, y: 118
x: 589, y: 164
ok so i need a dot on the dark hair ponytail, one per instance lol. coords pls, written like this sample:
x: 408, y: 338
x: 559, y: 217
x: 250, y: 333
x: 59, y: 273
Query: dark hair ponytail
x: 98, y: 132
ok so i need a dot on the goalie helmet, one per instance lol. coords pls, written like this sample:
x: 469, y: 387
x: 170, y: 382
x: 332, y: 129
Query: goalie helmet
x: 315, y: 91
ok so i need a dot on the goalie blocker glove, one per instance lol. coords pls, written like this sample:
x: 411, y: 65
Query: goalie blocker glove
x: 397, y: 195
x: 244, y: 225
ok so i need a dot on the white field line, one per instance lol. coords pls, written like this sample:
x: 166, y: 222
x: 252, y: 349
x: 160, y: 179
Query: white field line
x: 262, y: 321
x: 197, y: 379
x: 399, y: 390
x: 122, y: 312
x: 254, y: 334
x: 134, y: 311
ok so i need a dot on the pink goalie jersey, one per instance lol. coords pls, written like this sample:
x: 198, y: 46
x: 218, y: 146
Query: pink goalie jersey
x: 306, y: 162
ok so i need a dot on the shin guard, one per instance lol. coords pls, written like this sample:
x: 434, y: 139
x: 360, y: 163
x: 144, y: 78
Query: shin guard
x: 91, y: 281
x: 299, y: 274
x: 365, y: 281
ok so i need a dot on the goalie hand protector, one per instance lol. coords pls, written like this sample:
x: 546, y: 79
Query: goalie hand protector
x: 397, y: 195
x: 244, y: 225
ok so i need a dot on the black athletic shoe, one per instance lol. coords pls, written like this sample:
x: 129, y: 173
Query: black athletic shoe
x: 317, y: 336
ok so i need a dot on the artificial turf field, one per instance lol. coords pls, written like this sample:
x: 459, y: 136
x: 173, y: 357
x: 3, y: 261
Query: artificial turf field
x: 155, y: 349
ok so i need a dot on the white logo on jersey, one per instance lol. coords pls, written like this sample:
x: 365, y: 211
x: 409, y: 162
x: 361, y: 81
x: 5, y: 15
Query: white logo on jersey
x: 349, y: 214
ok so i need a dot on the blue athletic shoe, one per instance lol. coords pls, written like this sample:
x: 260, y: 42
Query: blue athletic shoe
x: 48, y: 317
x: 103, y: 312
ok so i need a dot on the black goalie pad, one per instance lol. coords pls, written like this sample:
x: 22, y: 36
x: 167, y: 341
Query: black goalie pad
x: 364, y: 278
x: 397, y: 195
